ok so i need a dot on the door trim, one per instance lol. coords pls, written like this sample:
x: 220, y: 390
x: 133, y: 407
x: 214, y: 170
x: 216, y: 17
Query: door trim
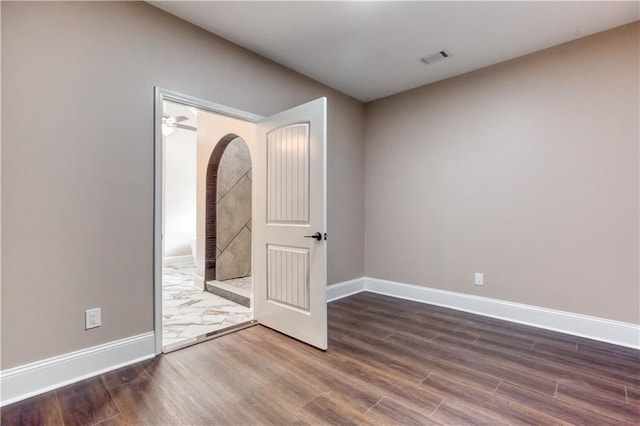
x: 160, y: 95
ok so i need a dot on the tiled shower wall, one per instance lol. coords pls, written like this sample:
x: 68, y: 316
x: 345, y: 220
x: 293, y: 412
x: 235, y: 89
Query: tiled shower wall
x: 233, y: 211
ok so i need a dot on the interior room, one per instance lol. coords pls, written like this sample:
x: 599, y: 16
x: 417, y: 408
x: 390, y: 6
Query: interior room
x: 197, y: 305
x: 361, y: 212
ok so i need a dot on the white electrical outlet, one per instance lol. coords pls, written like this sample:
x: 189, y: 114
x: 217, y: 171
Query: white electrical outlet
x: 479, y: 278
x: 92, y: 318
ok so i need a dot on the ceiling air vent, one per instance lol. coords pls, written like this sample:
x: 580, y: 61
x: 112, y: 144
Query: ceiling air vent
x: 435, y: 57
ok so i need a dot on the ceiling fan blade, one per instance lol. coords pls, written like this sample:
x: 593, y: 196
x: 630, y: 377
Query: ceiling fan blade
x: 184, y: 126
x: 180, y: 118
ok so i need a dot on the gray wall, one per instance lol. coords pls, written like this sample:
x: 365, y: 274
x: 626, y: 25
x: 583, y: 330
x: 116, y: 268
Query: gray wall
x: 526, y: 171
x: 77, y: 161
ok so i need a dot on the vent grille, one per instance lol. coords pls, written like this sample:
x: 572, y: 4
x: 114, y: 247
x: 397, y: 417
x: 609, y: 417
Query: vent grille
x: 436, y: 57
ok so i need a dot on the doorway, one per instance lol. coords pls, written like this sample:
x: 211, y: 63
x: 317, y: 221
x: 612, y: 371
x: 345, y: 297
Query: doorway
x: 288, y: 215
x: 206, y: 225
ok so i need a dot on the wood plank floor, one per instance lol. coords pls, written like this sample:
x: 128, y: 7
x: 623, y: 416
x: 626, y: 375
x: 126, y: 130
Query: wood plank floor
x: 389, y: 361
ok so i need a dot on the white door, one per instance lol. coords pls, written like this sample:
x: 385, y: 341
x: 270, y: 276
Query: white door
x: 289, y: 264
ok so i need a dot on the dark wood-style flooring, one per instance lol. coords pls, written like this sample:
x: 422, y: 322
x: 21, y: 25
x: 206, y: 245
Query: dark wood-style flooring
x: 389, y: 361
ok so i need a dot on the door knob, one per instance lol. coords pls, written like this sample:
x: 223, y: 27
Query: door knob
x: 317, y: 236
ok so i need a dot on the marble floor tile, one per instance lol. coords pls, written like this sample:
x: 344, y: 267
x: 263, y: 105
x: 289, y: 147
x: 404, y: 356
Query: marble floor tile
x: 237, y: 319
x: 208, y: 303
x: 213, y: 319
x: 189, y: 313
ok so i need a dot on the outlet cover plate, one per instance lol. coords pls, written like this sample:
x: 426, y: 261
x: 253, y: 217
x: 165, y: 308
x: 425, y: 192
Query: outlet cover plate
x: 92, y: 318
x: 479, y: 278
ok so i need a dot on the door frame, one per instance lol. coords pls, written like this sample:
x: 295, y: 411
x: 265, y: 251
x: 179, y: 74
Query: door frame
x: 160, y: 95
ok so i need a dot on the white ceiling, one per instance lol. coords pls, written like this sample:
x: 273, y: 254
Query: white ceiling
x: 372, y: 49
x: 175, y: 109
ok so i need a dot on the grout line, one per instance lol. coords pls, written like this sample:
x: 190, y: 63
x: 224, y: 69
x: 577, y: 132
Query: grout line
x: 113, y: 399
x: 230, y: 189
x: 626, y: 395
x: 495, y: 390
x: 391, y: 334
x: 326, y: 394
x: 533, y: 344
x: 576, y: 345
x: 55, y: 394
x: 437, y: 406
x: 428, y: 375
x: 230, y: 242
x: 311, y: 399
x: 373, y: 406
x: 556, y: 391
x: 109, y: 418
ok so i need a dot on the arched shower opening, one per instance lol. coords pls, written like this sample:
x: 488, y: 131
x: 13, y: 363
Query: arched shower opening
x: 228, y: 218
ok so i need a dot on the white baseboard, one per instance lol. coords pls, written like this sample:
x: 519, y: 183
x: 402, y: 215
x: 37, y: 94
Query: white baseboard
x: 177, y: 260
x: 32, y: 379
x: 344, y: 289
x: 619, y: 333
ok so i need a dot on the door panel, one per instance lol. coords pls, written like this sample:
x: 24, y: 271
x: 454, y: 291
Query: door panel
x: 288, y: 175
x: 288, y: 276
x: 290, y: 268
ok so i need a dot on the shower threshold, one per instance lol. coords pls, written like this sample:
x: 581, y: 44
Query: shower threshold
x: 238, y: 290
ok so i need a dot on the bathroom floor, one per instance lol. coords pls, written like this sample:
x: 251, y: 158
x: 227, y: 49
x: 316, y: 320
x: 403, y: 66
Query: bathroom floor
x: 189, y: 313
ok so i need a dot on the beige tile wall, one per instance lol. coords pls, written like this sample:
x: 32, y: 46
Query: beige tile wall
x: 233, y: 212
